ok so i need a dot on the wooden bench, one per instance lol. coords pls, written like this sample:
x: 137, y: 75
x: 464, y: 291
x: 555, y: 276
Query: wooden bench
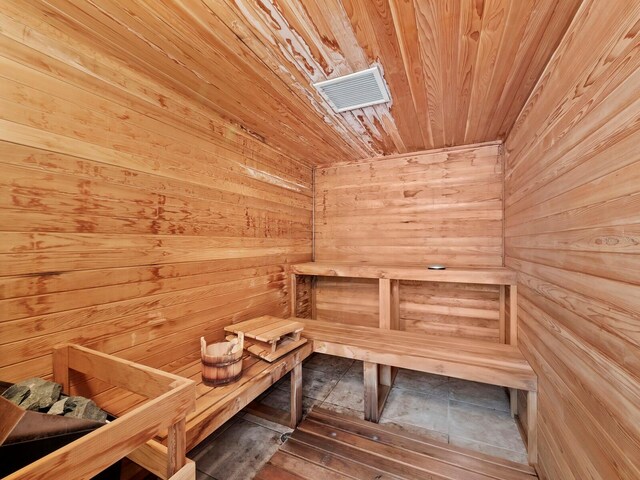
x: 479, y: 361
x: 330, y: 445
x: 214, y: 406
x: 389, y: 278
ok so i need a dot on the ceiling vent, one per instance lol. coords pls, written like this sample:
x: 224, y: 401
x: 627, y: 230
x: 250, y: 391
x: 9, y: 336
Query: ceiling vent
x: 356, y: 90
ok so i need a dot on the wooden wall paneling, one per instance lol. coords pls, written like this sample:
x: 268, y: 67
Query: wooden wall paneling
x: 450, y: 309
x: 128, y: 223
x: 156, y: 320
x: 571, y: 220
x: 335, y: 300
x: 30, y: 119
x: 429, y: 207
x: 187, y: 40
x: 212, y: 127
x: 97, y: 200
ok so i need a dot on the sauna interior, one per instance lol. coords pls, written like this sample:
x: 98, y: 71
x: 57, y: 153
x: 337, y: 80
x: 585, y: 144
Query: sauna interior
x: 174, y: 170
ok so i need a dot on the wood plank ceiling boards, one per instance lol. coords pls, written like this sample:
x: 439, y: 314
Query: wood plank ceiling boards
x: 459, y: 72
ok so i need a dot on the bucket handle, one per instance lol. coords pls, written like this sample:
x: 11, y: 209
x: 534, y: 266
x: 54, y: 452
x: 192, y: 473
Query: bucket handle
x: 203, y: 347
x: 203, y: 344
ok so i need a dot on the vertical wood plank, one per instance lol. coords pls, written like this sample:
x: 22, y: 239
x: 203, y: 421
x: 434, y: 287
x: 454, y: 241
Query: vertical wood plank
x: 388, y: 304
x: 371, y: 384
x: 61, y: 367
x: 502, y: 313
x: 532, y: 427
x: 384, y: 303
x: 513, y: 401
x: 385, y: 375
x: 395, y: 304
x: 296, y: 396
x: 513, y: 315
x: 293, y: 293
x: 176, y: 447
x: 512, y: 334
x: 312, y: 297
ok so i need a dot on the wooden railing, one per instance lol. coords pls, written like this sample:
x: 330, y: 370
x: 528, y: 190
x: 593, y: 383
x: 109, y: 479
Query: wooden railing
x: 170, y: 399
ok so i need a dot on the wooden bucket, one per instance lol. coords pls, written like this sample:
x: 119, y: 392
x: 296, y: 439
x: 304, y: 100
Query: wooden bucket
x: 221, y: 362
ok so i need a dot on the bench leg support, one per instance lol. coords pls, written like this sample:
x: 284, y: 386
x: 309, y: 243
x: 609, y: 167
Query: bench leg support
x: 513, y: 402
x: 502, y: 326
x: 293, y: 293
x: 176, y: 447
x: 312, y: 297
x: 532, y: 427
x: 296, y: 396
x: 389, y: 306
x: 371, y: 384
x: 513, y: 315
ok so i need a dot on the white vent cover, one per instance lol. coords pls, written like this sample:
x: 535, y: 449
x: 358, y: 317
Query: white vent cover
x: 355, y: 90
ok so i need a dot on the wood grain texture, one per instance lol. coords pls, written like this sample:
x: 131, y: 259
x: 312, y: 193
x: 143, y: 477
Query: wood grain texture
x: 134, y: 217
x: 329, y: 445
x: 458, y: 72
x: 167, y: 401
x: 475, y: 360
x: 443, y: 206
x: 572, y: 166
x: 479, y: 275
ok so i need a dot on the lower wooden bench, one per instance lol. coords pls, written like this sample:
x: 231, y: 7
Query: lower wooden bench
x: 214, y: 406
x: 329, y: 445
x: 478, y: 361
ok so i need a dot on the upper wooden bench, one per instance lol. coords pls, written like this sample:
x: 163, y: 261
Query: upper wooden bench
x: 479, y: 361
x: 485, y: 276
x: 389, y: 278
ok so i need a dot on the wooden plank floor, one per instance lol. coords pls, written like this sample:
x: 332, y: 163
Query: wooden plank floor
x: 332, y: 446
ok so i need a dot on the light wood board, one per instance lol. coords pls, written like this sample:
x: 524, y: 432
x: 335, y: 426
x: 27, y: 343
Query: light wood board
x: 329, y: 445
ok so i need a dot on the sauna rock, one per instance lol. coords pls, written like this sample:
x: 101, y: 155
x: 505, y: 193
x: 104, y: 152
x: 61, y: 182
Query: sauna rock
x: 34, y: 394
x: 43, y: 396
x: 78, y: 407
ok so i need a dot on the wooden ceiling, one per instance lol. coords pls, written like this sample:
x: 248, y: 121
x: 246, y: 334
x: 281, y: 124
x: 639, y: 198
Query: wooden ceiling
x: 459, y: 71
